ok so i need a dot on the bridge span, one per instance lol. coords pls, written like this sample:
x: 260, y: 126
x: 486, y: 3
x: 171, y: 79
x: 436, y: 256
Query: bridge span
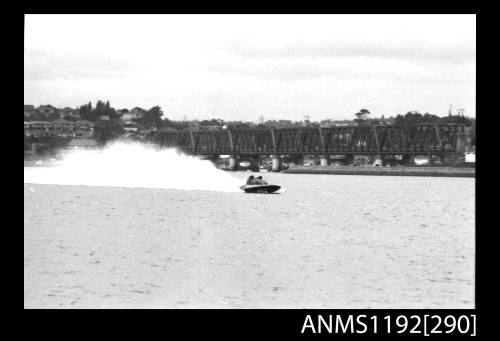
x: 376, y: 140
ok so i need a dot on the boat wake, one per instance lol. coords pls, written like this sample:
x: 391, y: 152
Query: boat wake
x: 129, y: 164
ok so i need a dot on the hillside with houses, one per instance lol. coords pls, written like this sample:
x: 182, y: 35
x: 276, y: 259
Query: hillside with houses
x: 48, y: 128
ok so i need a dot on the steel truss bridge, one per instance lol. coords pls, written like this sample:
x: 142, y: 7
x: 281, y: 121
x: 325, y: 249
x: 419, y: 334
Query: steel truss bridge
x: 436, y: 139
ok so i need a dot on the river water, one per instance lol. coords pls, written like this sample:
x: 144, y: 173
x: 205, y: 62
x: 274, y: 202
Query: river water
x: 325, y: 241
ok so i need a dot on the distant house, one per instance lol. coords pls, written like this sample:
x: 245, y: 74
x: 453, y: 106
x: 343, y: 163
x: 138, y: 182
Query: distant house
x: 38, y: 128
x: 61, y: 123
x: 132, y: 115
x: 27, y: 127
x: 84, y: 124
x: 46, y: 109
x: 63, y: 128
x: 104, y: 118
x: 131, y: 127
x: 79, y: 129
x: 83, y: 133
x: 29, y: 110
x: 67, y: 111
x: 84, y: 129
x: 41, y: 125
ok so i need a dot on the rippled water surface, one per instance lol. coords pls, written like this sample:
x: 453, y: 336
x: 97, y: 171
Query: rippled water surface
x: 326, y: 241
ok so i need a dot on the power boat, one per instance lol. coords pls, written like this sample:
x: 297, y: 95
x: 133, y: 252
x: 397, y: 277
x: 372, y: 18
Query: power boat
x: 264, y: 189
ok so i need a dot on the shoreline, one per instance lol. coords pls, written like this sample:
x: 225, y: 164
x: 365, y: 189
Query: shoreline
x: 464, y: 172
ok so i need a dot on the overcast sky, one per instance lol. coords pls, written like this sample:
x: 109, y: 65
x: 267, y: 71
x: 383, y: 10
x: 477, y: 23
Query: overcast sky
x: 239, y: 67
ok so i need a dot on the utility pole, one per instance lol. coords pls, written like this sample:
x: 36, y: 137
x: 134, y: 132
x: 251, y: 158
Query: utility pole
x: 261, y: 119
x: 449, y: 111
x: 460, y: 112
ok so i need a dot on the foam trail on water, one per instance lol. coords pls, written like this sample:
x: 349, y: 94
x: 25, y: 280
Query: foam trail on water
x: 130, y: 164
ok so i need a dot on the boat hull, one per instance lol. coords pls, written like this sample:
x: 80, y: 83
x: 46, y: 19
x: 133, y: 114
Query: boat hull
x: 260, y: 188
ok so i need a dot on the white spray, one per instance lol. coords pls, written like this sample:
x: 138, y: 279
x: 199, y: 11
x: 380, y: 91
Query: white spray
x: 133, y: 165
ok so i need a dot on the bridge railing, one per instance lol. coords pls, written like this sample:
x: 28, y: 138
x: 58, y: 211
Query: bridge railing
x: 376, y: 139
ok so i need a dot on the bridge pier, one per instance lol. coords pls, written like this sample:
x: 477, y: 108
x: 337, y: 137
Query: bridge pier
x: 276, y: 163
x: 323, y: 160
x: 232, y: 163
x: 378, y: 161
x: 463, y: 142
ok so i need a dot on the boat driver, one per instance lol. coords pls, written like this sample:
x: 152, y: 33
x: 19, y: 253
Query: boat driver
x: 259, y: 181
